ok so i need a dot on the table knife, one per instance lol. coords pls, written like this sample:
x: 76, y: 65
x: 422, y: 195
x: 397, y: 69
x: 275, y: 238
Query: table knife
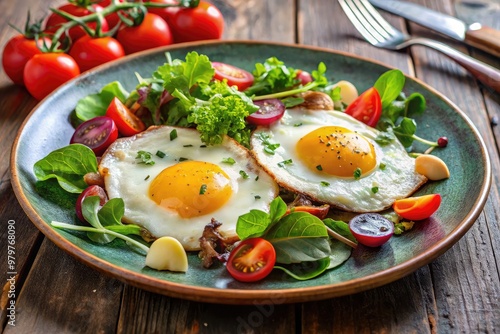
x: 481, y: 37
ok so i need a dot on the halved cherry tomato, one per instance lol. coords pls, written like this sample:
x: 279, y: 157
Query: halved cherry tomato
x: 93, y: 190
x: 55, y: 20
x: 318, y: 211
x: 371, y: 229
x: 270, y: 111
x: 304, y: 77
x: 235, y: 76
x: 97, y: 133
x: 366, y: 108
x: 45, y: 72
x: 151, y: 33
x: 128, y: 124
x: 417, y: 208
x: 252, y: 260
x: 90, y: 52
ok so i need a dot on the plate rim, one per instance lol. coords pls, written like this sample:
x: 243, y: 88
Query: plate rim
x: 239, y: 296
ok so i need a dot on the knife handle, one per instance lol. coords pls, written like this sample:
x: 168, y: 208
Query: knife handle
x: 484, y: 38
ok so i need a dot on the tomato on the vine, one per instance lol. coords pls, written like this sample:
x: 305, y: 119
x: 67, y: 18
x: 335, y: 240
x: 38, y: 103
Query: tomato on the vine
x: 367, y: 107
x: 304, y: 77
x: 16, y: 54
x: 166, y: 13
x: 128, y: 124
x: 55, y: 20
x: 46, y: 71
x: 193, y: 24
x: 235, y: 76
x: 417, y: 208
x: 90, y: 52
x: 113, y: 19
x: 152, y: 32
x: 252, y: 260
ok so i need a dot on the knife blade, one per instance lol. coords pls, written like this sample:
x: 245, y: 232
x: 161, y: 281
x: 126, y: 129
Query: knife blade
x: 481, y: 37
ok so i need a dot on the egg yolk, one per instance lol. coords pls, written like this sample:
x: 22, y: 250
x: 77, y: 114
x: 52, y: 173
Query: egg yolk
x: 191, y: 188
x: 337, y: 151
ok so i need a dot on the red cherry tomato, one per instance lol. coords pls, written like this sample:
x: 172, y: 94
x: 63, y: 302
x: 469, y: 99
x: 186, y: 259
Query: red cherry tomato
x: 252, y: 260
x: 417, y: 208
x: 366, y: 108
x: 193, y: 24
x: 166, y: 13
x: 128, y: 124
x: 93, y: 190
x: 16, y: 54
x: 371, y: 229
x: 97, y: 133
x: 46, y: 71
x: 269, y: 112
x: 90, y: 52
x: 54, y: 21
x: 304, y: 77
x: 151, y: 33
x: 113, y: 19
x: 235, y: 76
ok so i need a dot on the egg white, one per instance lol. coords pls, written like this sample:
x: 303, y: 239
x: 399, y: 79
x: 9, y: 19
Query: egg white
x: 397, y: 180
x: 128, y: 179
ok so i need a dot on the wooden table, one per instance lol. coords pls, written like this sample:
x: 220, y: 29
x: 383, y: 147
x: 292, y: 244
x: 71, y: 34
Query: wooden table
x: 458, y: 292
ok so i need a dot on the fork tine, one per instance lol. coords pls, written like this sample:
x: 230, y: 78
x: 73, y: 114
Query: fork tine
x: 360, y: 22
x: 379, y: 19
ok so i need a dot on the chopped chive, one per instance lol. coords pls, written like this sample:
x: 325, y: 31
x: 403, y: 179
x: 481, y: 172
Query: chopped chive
x: 285, y: 162
x: 257, y: 197
x: 229, y: 161
x: 374, y: 190
x: 203, y: 189
x: 173, y: 134
x: 357, y: 173
x: 257, y: 178
x: 325, y: 184
x: 183, y: 159
x: 147, y: 177
x: 188, y: 145
x: 160, y: 154
x: 319, y: 167
x: 297, y: 124
x: 244, y: 174
x: 144, y: 157
x: 382, y: 166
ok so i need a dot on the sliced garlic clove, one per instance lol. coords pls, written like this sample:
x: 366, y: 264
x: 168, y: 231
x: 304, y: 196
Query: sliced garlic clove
x: 167, y: 253
x: 431, y: 167
x: 348, y: 91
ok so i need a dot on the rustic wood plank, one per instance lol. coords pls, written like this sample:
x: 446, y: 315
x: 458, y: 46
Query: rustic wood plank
x: 61, y: 295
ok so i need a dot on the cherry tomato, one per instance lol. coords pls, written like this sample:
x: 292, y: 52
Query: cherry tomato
x: 366, y: 108
x: 235, y: 76
x: 113, y: 19
x: 90, y: 52
x: 16, y: 54
x: 166, y: 13
x: 46, y: 71
x: 417, y: 208
x: 252, y: 260
x: 151, y: 33
x: 304, y: 77
x: 270, y: 111
x: 128, y: 124
x: 193, y: 24
x: 54, y: 21
x: 371, y: 229
x: 97, y: 133
x: 90, y: 191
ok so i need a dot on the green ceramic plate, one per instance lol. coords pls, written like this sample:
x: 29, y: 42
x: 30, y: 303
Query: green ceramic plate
x: 464, y: 194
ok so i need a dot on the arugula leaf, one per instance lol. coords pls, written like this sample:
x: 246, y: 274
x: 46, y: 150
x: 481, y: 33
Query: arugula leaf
x: 389, y: 85
x: 298, y: 237
x: 96, y: 104
x: 68, y: 165
x: 272, y: 76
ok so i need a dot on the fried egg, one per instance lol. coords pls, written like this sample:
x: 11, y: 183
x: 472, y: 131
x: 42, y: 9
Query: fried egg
x: 187, y: 185
x: 333, y: 158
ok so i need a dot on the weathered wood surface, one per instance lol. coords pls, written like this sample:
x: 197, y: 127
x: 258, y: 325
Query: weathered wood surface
x: 458, y: 292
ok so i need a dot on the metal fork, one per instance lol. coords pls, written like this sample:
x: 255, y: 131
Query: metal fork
x: 378, y: 32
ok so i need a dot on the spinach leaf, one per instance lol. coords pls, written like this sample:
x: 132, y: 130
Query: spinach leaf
x: 405, y: 131
x: 339, y: 253
x: 340, y: 227
x: 389, y: 85
x: 298, y: 237
x: 305, y: 270
x: 68, y: 165
x: 96, y: 104
x: 255, y: 223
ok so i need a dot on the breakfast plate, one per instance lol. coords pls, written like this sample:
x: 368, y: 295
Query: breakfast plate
x: 464, y: 194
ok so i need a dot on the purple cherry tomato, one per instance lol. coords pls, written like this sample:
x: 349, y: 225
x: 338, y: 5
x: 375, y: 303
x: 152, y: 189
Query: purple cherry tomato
x: 97, y: 133
x: 269, y: 112
x: 371, y: 229
x: 90, y: 191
